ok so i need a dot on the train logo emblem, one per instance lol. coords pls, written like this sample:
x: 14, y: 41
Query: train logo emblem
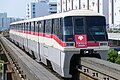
x: 80, y: 38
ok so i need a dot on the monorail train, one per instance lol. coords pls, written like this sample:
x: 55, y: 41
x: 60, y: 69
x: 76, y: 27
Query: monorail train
x: 59, y: 40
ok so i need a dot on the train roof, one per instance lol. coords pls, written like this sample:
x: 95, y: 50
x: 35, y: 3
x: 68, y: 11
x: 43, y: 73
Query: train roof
x: 80, y: 12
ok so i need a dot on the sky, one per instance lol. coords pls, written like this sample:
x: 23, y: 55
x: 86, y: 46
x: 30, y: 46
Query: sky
x: 15, y: 8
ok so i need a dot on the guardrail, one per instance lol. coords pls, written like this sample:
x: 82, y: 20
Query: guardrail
x: 99, y: 69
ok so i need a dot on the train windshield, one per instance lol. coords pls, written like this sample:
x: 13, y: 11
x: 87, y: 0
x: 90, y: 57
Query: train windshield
x: 93, y: 26
x: 96, y: 28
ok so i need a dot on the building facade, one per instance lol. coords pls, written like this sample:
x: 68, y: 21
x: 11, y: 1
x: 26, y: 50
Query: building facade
x: 31, y: 10
x: 109, y: 8
x: 5, y: 21
x: 41, y: 8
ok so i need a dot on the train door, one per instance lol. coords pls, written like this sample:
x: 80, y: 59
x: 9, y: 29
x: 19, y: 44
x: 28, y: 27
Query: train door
x: 27, y: 34
x: 38, y: 43
x: 25, y: 37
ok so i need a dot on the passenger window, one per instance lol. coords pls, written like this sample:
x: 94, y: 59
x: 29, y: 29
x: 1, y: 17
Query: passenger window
x: 33, y: 26
x: 48, y: 26
x: 41, y: 26
x: 68, y: 28
x: 36, y: 27
x: 29, y: 26
x: 58, y: 28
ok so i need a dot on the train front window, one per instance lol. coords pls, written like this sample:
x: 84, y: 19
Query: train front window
x: 68, y: 29
x: 96, y: 28
x: 78, y: 25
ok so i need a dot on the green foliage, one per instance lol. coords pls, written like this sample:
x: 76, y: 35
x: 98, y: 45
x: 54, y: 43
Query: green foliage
x: 112, y: 55
x: 117, y: 60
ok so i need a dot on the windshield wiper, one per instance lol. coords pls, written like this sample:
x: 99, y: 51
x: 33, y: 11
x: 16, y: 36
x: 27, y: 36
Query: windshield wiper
x: 92, y: 36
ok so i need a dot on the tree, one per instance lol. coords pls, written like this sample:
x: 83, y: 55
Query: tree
x: 112, y: 55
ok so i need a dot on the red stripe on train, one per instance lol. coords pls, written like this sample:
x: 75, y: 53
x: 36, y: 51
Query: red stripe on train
x: 63, y: 44
x: 91, y: 44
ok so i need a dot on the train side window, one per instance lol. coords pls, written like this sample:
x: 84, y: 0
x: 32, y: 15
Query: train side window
x: 36, y: 27
x: 23, y: 26
x: 61, y: 28
x: 29, y: 26
x: 48, y: 26
x: 15, y: 27
x: 32, y: 26
x: 51, y: 26
x: 58, y: 27
x: 55, y: 27
x: 41, y: 26
x: 68, y: 25
x: 19, y: 27
x: 12, y: 27
x: 26, y: 27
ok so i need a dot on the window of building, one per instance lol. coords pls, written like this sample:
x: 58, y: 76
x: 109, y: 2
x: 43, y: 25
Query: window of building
x: 33, y: 12
x: 33, y: 9
x: 33, y: 5
x: 53, y: 5
x: 33, y: 16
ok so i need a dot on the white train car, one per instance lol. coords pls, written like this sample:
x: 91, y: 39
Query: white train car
x: 59, y: 40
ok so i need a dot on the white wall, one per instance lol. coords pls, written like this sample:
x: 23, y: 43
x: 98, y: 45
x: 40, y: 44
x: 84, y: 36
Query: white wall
x: 104, y: 7
x: 84, y: 4
x: 64, y: 5
x: 42, y: 8
x: 59, y: 6
x: 101, y: 6
x: 93, y: 5
x: 117, y: 12
x: 75, y: 4
x: 69, y: 5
